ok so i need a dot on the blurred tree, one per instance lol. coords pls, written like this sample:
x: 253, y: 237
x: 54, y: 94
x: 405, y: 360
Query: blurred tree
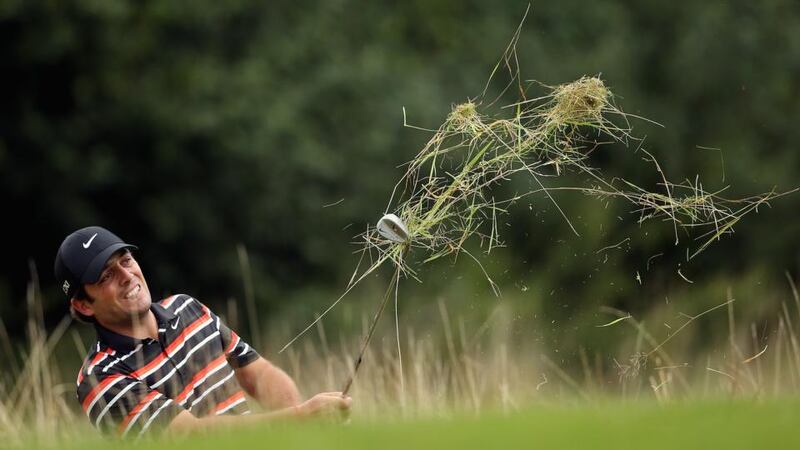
x: 191, y: 127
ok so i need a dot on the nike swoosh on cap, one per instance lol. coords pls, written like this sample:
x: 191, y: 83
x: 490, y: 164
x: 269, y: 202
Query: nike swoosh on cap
x: 89, y: 242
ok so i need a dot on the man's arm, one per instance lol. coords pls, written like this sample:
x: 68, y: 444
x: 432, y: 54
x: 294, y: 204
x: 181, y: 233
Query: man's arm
x: 324, y: 404
x: 268, y: 384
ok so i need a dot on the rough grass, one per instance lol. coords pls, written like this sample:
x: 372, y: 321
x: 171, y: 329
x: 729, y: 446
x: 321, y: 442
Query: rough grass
x: 720, y: 424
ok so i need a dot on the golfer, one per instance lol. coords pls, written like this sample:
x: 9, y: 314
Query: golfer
x: 170, y: 365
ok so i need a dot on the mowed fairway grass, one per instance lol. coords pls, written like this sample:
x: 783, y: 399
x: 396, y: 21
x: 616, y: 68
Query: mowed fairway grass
x: 721, y: 424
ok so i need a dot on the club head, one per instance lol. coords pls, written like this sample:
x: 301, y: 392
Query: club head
x: 392, y: 228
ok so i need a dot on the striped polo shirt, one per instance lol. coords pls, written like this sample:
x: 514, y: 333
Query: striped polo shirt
x: 130, y: 386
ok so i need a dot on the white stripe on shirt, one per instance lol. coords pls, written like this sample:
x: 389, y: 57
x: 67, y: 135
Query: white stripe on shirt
x: 111, y: 403
x: 136, y: 417
x: 197, y: 347
x: 177, y: 349
x: 122, y: 358
x: 211, y: 389
x: 183, y: 305
x: 100, y: 395
x: 227, y: 408
x: 150, y: 420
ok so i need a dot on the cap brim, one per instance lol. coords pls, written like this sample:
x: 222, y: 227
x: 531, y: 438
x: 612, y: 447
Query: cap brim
x: 95, y: 268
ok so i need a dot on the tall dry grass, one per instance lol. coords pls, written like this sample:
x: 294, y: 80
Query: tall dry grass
x: 456, y: 368
x: 449, y: 367
x: 38, y: 405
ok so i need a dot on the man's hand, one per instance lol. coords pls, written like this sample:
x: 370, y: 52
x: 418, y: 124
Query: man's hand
x: 325, y: 404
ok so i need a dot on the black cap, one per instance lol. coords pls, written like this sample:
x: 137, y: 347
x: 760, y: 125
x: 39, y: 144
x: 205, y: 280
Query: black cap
x: 82, y: 256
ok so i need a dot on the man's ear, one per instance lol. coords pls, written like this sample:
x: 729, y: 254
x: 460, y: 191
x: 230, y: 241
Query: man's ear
x: 82, y: 306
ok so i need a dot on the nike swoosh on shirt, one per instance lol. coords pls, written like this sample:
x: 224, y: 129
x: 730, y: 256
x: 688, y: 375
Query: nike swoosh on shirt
x: 89, y: 242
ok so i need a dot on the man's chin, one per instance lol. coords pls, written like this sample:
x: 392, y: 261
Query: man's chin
x: 144, y: 306
x: 140, y: 309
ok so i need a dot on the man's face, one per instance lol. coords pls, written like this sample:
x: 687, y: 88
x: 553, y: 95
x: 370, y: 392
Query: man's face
x: 120, y: 296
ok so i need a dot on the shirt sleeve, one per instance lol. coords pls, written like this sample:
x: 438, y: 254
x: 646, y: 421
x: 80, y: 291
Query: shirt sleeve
x: 120, y: 405
x: 238, y: 352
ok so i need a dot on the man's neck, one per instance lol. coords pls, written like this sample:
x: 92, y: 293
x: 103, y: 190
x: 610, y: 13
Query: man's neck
x: 146, y: 327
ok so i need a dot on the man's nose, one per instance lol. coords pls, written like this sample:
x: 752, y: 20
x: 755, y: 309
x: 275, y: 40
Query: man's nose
x: 125, y: 275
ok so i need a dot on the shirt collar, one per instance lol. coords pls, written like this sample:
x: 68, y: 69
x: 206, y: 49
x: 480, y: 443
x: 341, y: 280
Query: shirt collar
x: 123, y: 343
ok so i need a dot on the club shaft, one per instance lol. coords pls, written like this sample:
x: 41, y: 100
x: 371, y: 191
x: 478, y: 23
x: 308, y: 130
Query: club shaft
x: 371, y: 331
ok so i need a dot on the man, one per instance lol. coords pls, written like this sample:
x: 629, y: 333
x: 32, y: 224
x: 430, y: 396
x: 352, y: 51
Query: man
x: 171, y: 365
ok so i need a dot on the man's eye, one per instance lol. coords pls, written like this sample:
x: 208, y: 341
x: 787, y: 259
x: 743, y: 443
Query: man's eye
x: 126, y: 261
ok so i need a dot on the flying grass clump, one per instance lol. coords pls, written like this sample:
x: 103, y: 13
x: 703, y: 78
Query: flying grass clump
x: 578, y: 103
x: 446, y: 193
x: 445, y: 207
x: 464, y: 119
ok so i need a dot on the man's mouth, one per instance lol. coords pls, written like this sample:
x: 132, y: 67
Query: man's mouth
x: 133, y: 292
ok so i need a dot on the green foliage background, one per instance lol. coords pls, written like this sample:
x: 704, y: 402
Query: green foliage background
x: 189, y: 128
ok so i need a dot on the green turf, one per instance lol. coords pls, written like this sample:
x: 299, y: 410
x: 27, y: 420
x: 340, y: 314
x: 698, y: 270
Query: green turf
x: 725, y: 425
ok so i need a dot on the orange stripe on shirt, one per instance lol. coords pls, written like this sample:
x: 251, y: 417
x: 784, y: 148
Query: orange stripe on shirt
x: 176, y: 343
x: 154, y: 363
x: 168, y: 301
x: 124, y: 424
x: 234, y: 341
x: 99, y: 357
x: 191, y: 385
x: 229, y: 401
x: 191, y: 327
x: 93, y: 393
